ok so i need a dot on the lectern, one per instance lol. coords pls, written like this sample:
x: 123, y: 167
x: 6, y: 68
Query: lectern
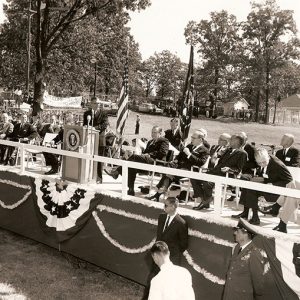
x: 84, y: 140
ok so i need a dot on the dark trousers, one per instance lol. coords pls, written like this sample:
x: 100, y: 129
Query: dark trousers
x: 51, y: 160
x: 101, y: 152
x: 145, y: 159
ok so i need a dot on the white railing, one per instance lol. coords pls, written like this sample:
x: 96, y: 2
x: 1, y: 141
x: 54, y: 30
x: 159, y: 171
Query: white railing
x: 218, y: 180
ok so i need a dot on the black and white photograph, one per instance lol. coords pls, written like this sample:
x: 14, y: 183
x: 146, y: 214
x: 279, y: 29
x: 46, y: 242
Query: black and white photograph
x: 149, y: 150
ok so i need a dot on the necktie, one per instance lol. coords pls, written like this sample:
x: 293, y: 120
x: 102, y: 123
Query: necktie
x: 240, y: 250
x: 284, y: 152
x: 167, y: 223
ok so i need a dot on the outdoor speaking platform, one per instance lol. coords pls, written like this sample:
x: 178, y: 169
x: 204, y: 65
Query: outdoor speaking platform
x: 84, y: 140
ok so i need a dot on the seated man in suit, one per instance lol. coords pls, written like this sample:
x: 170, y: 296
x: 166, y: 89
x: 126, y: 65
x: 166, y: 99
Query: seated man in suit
x: 6, y: 129
x: 216, y: 151
x: 289, y: 155
x: 97, y: 117
x: 23, y: 132
x: 271, y: 171
x: 232, y: 161
x: 194, y: 154
x: 174, y: 134
x: 157, y: 148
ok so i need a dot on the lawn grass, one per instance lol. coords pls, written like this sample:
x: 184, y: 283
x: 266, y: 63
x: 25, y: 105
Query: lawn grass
x: 30, y: 270
x: 258, y: 133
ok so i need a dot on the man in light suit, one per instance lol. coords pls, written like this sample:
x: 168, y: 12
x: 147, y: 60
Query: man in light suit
x: 172, y: 282
x: 232, y: 161
x: 289, y: 155
x: 6, y: 129
x: 194, y: 154
x: 157, y: 148
x: 245, y: 278
x: 271, y: 171
x: 99, y: 121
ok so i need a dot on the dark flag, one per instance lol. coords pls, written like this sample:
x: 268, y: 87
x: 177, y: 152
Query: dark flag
x: 187, y: 101
x: 123, y: 102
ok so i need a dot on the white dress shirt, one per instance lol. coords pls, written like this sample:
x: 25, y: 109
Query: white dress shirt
x: 172, y: 283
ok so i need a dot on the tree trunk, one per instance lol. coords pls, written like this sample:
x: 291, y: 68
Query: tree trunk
x: 215, y: 92
x: 257, y: 106
x: 274, y: 116
x: 267, y: 94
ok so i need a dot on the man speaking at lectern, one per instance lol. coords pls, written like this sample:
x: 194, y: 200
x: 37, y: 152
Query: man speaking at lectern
x: 97, y: 118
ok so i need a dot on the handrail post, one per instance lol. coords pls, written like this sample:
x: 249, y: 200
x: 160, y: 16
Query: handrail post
x: 218, y: 198
x: 22, y: 158
x: 124, y: 180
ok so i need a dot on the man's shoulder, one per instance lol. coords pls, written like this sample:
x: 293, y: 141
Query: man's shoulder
x: 180, y: 219
x: 162, y: 140
x: 295, y: 150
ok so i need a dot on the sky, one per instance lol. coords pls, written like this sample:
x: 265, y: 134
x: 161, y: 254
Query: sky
x: 161, y: 26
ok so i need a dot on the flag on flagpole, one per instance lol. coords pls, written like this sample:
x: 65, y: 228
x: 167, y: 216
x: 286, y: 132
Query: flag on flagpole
x: 123, y: 102
x: 187, y: 101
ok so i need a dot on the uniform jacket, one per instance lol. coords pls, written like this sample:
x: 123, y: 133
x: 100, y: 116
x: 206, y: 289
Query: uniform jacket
x: 100, y: 121
x: 175, y: 235
x: 157, y: 149
x: 174, y: 139
x: 245, y: 276
x: 291, y: 158
x: 198, y: 157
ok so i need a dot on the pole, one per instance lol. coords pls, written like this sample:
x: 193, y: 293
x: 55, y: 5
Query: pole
x: 28, y: 47
x: 95, y: 79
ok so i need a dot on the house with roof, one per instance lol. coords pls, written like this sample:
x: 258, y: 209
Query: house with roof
x: 235, y: 106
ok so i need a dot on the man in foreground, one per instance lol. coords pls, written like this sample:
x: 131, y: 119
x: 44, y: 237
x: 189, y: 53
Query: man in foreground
x: 246, y: 273
x: 172, y: 282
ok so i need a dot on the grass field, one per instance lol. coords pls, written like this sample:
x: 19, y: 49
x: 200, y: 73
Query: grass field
x: 258, y: 133
x: 29, y: 270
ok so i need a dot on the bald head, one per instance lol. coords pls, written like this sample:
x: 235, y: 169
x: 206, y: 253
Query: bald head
x: 224, y: 139
x: 287, y: 140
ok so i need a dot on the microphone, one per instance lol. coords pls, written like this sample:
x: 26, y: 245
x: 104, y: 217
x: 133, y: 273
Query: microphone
x: 88, y: 120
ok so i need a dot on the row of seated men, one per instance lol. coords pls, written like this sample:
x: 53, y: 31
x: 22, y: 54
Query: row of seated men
x: 232, y: 155
x: 21, y: 130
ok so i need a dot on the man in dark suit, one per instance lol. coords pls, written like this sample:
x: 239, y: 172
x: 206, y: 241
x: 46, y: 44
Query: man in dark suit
x: 289, y: 155
x: 216, y: 151
x: 194, y: 154
x: 232, y: 162
x: 157, y: 148
x: 246, y: 275
x: 271, y: 171
x: 98, y: 120
x: 173, y: 230
x: 23, y: 132
x: 174, y: 134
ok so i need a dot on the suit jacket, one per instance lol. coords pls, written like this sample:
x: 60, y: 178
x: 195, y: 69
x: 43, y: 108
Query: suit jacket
x: 277, y: 173
x: 235, y: 161
x: 250, y: 163
x: 175, y: 140
x: 7, y: 129
x: 215, y: 153
x: 157, y: 149
x: 245, y: 277
x: 291, y: 158
x: 27, y: 131
x: 198, y: 157
x: 100, y: 121
x: 175, y: 235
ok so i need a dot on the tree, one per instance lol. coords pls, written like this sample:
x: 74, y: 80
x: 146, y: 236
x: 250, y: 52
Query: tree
x: 217, y: 41
x: 270, y: 41
x: 55, y: 19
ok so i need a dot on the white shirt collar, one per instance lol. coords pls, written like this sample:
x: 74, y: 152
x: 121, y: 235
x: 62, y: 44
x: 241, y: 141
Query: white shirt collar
x: 286, y: 150
x: 171, y: 218
x: 243, y: 247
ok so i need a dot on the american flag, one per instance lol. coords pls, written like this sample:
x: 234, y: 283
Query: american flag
x: 187, y: 101
x: 123, y: 102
